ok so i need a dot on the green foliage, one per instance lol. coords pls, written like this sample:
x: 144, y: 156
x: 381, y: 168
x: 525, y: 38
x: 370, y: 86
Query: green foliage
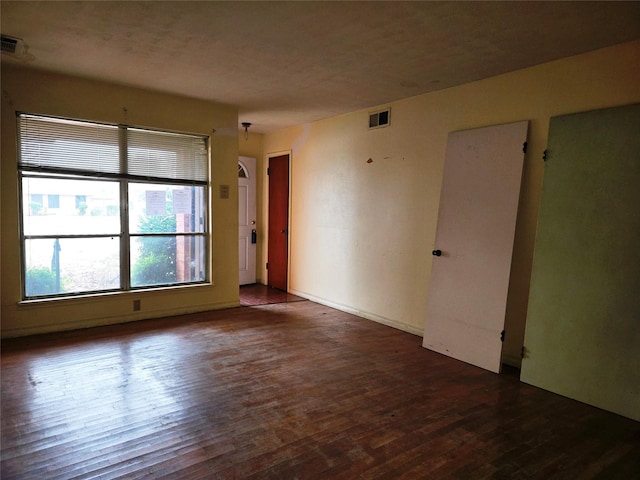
x: 153, y: 269
x: 113, y: 210
x: 36, y: 208
x: 82, y: 208
x: 157, y: 262
x: 158, y: 224
x: 156, y: 245
x: 40, y: 281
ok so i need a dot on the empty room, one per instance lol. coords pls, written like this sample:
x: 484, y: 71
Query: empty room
x: 307, y: 240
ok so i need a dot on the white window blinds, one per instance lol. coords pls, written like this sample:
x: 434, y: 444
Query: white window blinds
x: 68, y: 146
x: 168, y: 155
x: 56, y: 144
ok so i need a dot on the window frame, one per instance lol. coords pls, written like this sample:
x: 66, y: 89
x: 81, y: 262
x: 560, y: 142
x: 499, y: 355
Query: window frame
x: 124, y: 180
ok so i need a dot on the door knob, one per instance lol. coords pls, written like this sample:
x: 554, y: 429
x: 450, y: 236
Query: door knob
x: 436, y: 253
x: 284, y: 230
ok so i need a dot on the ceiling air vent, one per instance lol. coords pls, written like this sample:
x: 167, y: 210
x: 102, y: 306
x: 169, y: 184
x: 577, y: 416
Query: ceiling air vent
x: 11, y: 44
x: 380, y: 118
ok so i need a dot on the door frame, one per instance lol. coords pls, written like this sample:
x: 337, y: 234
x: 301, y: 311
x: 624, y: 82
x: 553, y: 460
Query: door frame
x: 268, y: 158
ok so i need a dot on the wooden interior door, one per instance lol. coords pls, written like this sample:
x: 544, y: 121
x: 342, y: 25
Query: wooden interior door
x: 582, y: 338
x: 278, y: 248
x: 247, y: 234
x: 474, y: 244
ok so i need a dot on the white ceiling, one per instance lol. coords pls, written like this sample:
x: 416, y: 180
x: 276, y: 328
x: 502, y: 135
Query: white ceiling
x: 287, y: 63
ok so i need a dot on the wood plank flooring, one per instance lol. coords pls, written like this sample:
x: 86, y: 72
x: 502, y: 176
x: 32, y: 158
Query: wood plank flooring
x: 286, y: 391
x: 258, y: 294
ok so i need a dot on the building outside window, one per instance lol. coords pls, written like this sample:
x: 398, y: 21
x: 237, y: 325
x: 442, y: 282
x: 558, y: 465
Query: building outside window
x: 126, y: 207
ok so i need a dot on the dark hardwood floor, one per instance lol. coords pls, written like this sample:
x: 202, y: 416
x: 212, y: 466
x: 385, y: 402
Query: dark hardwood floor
x: 258, y: 294
x: 286, y: 391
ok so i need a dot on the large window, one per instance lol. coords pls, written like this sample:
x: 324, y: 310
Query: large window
x: 110, y: 207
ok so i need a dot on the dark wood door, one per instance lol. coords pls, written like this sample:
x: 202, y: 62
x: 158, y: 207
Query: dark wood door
x: 278, y: 256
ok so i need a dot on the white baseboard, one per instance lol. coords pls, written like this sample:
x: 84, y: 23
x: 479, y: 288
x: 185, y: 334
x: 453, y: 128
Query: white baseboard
x: 360, y: 313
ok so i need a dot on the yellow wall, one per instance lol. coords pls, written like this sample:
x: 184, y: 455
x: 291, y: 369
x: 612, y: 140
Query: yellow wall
x: 44, y: 93
x: 361, y: 233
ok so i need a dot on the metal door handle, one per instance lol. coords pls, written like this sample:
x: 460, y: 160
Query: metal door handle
x: 436, y: 253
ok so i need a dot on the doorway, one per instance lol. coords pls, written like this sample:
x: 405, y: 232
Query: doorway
x: 257, y: 294
x: 247, y: 233
x: 278, y: 234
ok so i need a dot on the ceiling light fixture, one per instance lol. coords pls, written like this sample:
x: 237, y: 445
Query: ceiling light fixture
x: 246, y: 126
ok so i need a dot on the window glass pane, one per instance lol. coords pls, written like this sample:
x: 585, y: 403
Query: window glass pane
x: 71, y: 265
x: 162, y: 208
x: 73, y: 209
x: 84, y: 207
x: 167, y: 259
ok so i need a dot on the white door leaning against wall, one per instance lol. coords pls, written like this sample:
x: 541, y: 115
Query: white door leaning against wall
x: 474, y: 244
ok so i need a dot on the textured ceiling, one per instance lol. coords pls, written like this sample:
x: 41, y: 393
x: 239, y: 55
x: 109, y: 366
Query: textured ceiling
x: 286, y: 63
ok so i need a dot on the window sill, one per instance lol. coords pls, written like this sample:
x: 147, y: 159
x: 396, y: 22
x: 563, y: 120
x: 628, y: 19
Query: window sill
x: 92, y: 297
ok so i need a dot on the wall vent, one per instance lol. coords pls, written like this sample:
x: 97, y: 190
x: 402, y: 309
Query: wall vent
x: 11, y: 45
x: 380, y: 118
